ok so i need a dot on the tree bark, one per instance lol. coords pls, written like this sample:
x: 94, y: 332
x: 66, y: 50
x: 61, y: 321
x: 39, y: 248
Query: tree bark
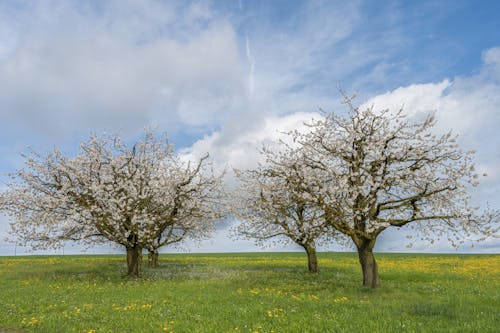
x: 134, y: 261
x: 153, y: 258
x: 312, y: 258
x: 368, y: 263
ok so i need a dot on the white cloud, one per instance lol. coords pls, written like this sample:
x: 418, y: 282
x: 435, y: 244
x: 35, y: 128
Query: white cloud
x: 238, y: 145
x: 70, y: 67
x: 125, y: 65
x: 468, y: 105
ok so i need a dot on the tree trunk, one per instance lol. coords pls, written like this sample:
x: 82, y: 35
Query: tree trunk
x: 312, y: 259
x: 368, y: 263
x: 153, y: 258
x: 134, y: 261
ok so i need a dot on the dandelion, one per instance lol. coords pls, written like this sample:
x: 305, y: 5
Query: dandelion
x: 275, y: 313
x: 166, y: 327
x: 146, y: 307
x: 115, y: 307
x: 33, y: 321
x: 254, y: 291
x: 341, y: 299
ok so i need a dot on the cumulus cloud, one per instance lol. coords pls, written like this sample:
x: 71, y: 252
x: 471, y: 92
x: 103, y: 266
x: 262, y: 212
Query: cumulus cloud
x: 238, y: 79
x: 468, y: 105
x: 238, y: 146
x: 118, y: 64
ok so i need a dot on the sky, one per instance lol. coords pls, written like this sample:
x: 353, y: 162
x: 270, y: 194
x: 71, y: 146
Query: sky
x: 226, y: 77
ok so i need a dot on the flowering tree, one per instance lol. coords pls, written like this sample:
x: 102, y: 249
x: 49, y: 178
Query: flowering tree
x: 194, y: 205
x: 139, y: 196
x: 273, y: 203
x: 377, y: 170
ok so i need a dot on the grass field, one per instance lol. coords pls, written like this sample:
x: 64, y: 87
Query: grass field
x: 262, y: 292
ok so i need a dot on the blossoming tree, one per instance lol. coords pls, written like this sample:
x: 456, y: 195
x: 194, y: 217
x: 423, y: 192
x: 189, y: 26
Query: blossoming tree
x: 195, y: 203
x: 379, y: 170
x: 272, y: 203
x: 139, y: 196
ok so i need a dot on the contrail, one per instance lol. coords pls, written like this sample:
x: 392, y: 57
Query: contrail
x: 251, y: 61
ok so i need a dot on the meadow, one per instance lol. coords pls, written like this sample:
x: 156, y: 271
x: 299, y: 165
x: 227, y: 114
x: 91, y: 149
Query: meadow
x: 250, y: 292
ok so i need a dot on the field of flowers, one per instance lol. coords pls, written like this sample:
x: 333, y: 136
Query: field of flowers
x: 260, y: 292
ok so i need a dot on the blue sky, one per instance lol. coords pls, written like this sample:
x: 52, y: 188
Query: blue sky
x: 223, y: 76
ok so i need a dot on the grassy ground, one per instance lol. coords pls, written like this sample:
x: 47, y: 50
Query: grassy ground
x: 264, y: 292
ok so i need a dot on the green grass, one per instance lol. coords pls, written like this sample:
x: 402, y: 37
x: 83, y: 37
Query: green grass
x: 262, y: 292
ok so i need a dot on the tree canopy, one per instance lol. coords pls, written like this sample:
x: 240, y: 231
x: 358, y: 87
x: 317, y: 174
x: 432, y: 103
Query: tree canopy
x: 139, y: 196
x: 273, y: 204
x: 371, y: 170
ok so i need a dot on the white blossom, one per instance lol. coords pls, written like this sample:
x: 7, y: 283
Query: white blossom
x: 371, y: 170
x: 273, y: 202
x: 140, y: 195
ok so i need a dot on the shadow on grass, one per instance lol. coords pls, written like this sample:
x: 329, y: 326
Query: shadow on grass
x: 266, y: 270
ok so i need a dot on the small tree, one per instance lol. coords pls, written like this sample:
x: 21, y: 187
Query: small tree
x: 130, y: 195
x: 272, y: 203
x: 377, y: 170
